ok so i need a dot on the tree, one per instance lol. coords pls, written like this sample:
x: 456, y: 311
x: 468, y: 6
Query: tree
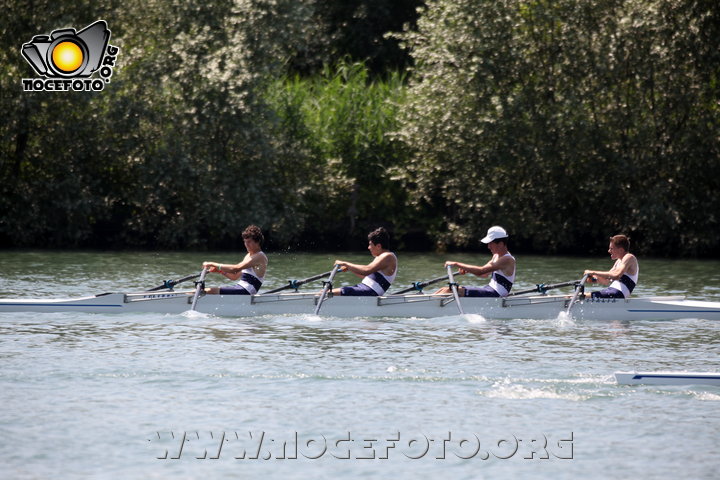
x: 566, y: 121
x: 179, y: 150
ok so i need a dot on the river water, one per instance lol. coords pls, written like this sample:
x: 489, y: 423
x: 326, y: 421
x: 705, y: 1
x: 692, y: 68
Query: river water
x: 143, y: 396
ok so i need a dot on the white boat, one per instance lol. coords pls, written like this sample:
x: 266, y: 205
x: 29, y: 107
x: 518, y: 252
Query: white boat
x: 668, y: 378
x: 413, y: 305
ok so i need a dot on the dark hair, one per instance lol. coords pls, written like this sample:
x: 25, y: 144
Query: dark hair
x: 499, y: 240
x: 253, y: 233
x: 380, y: 236
x: 621, y: 241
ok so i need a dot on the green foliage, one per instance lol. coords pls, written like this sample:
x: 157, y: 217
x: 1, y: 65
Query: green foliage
x: 179, y: 150
x: 343, y: 118
x: 567, y: 122
x: 215, y: 162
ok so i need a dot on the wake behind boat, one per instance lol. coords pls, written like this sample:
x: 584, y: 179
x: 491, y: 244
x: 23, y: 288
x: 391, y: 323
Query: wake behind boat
x: 412, y: 305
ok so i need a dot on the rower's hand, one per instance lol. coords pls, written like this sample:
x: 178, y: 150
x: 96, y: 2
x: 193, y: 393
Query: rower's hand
x: 211, y: 266
x: 591, y: 278
x: 343, y: 265
x: 461, y: 271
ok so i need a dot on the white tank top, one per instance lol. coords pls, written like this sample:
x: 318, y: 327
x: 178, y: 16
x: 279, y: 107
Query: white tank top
x: 250, y: 281
x: 626, y: 283
x: 380, y: 282
x: 500, y: 283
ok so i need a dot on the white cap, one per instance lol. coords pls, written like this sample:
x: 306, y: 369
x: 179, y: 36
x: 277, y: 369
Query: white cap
x: 494, y: 233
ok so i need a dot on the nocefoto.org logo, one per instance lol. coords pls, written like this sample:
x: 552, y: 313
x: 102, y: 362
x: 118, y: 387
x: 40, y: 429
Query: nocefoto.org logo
x: 67, y: 59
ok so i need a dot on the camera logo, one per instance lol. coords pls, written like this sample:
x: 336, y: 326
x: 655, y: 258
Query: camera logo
x: 67, y: 59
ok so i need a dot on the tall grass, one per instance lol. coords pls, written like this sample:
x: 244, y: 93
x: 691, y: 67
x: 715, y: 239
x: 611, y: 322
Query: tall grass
x: 343, y: 118
x: 343, y: 112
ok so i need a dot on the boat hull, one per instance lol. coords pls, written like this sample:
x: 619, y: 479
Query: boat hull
x: 422, y: 306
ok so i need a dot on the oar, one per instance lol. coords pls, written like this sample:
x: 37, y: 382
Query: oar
x: 542, y: 288
x: 454, y: 288
x: 420, y: 285
x: 327, y: 286
x: 169, y: 284
x: 199, y: 285
x: 579, y: 289
x: 297, y: 283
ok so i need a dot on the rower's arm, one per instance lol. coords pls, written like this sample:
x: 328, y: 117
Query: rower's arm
x: 234, y: 271
x: 381, y: 262
x: 614, y: 273
x: 486, y: 269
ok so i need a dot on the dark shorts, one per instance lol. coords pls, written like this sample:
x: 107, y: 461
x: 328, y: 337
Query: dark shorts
x: 486, y: 291
x: 609, y: 292
x: 234, y: 290
x: 359, y: 290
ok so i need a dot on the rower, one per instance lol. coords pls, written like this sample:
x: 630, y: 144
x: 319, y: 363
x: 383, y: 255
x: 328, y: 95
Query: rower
x: 250, y: 272
x: 624, y: 273
x: 377, y: 275
x: 500, y: 268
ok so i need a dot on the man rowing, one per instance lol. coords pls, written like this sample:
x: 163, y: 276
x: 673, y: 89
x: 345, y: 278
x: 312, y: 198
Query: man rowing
x: 624, y: 273
x: 500, y: 268
x: 250, y: 272
x: 377, y: 275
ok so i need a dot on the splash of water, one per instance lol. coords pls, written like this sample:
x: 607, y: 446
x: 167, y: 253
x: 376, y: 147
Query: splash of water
x: 474, y: 318
x: 564, y: 319
x: 195, y: 314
